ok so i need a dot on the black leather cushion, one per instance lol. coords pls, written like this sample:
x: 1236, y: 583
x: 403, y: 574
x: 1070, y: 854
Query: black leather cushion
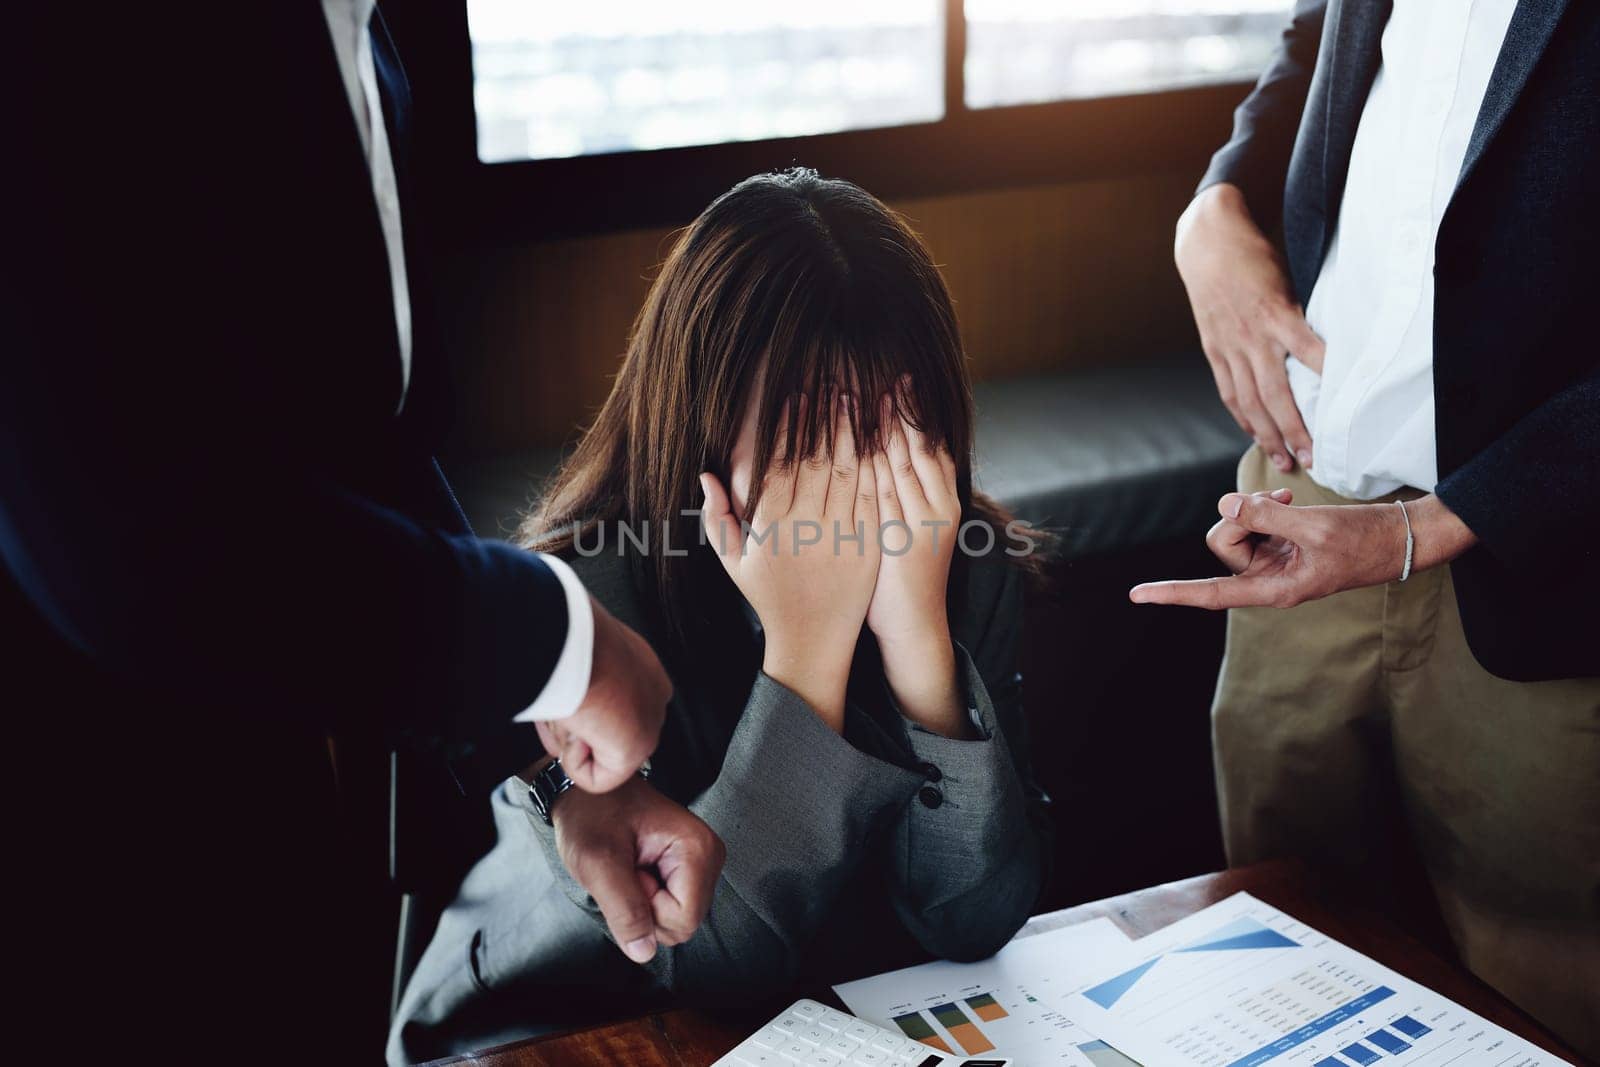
x: 1107, y: 459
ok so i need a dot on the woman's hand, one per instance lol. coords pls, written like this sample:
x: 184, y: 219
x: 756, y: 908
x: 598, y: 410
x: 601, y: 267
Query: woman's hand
x: 1282, y: 556
x: 921, y: 513
x: 809, y: 565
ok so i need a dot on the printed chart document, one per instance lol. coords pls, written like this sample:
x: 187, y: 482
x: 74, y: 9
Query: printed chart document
x: 1007, y: 1004
x: 1241, y: 984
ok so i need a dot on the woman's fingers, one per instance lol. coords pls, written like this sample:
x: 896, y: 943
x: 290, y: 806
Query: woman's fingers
x: 865, y: 515
x: 780, y: 445
x: 947, y: 467
x: 902, y: 468
x: 924, y: 454
x: 840, y: 501
x: 722, y: 529
x: 889, y: 509
x: 811, y: 475
x: 780, y: 483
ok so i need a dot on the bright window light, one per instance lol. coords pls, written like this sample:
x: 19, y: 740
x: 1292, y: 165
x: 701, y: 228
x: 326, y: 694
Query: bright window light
x: 1032, y: 51
x: 588, y: 76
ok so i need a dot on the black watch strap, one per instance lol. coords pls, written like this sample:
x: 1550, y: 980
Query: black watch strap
x: 547, y: 785
x: 551, y: 782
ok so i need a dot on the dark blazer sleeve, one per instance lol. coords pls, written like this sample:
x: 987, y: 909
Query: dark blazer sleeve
x: 968, y: 868
x: 1533, y: 496
x: 292, y: 598
x: 198, y: 382
x: 794, y: 805
x: 1256, y: 157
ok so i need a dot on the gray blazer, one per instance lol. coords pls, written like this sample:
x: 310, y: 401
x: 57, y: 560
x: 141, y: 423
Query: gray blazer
x: 846, y: 855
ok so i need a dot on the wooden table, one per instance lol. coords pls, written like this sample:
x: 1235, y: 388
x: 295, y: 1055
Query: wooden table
x: 692, y: 1038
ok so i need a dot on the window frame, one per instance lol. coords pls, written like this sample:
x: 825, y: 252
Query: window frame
x: 968, y: 150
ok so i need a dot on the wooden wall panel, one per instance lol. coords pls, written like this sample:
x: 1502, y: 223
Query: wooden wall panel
x: 1043, y: 278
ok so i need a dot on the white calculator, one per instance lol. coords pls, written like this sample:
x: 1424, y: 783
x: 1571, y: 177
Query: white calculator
x: 809, y: 1034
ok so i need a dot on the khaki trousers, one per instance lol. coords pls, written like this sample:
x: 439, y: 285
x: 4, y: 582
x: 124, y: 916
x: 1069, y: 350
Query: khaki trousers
x: 1345, y: 724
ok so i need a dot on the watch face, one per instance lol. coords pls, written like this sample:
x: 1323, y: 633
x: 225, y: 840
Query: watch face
x: 548, y: 784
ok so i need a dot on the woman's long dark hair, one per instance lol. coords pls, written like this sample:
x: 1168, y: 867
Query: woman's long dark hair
x: 788, y: 283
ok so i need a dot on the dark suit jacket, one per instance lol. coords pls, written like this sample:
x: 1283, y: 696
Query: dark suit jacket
x: 1516, y: 363
x: 224, y: 555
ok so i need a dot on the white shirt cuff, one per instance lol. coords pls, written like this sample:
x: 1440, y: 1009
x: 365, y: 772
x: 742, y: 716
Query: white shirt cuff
x: 569, y: 681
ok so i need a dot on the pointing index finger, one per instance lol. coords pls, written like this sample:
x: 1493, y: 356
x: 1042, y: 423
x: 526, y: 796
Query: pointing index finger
x: 1213, y: 594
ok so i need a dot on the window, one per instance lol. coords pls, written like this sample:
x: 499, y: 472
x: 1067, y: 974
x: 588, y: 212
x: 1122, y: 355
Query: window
x: 550, y: 119
x: 596, y: 76
x: 1031, y: 51
x: 602, y: 76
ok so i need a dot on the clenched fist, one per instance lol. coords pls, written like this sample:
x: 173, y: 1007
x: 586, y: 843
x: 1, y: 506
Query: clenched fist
x: 616, y: 727
x: 649, y: 863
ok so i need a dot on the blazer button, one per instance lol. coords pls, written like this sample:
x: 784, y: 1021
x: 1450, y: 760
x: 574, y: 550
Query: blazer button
x: 930, y: 796
x: 930, y: 772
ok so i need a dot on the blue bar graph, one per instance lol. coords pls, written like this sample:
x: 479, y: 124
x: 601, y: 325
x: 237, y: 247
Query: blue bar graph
x: 1317, y: 1026
x: 1410, y: 1027
x: 1330, y: 1061
x: 1361, y: 1054
x: 1387, y: 1041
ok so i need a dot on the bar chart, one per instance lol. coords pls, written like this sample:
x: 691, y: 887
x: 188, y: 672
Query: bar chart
x: 1004, y: 1005
x: 987, y: 1008
x: 962, y: 1028
x: 1241, y: 984
x: 916, y: 1026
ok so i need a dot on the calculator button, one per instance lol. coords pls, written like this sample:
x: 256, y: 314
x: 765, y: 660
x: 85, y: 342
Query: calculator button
x: 887, y: 1042
x: 768, y: 1037
x: 808, y: 1009
x: 870, y: 1057
x: 819, y: 1058
x: 842, y: 1046
x: 835, y: 1020
x: 813, y: 1035
x: 795, y: 1050
x: 860, y: 1031
x: 787, y: 1024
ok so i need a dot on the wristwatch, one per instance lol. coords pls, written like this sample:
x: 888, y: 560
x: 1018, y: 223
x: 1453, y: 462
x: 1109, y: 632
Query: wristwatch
x: 552, y: 781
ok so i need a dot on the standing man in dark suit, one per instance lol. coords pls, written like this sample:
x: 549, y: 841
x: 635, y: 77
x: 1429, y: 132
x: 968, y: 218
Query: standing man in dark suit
x: 233, y: 573
x: 1426, y: 376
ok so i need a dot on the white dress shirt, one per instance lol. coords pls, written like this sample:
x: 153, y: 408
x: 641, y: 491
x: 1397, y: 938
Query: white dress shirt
x: 1370, y: 413
x: 349, y: 24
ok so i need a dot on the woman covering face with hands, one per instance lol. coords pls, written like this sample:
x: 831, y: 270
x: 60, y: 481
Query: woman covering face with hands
x: 839, y: 538
x: 771, y: 496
